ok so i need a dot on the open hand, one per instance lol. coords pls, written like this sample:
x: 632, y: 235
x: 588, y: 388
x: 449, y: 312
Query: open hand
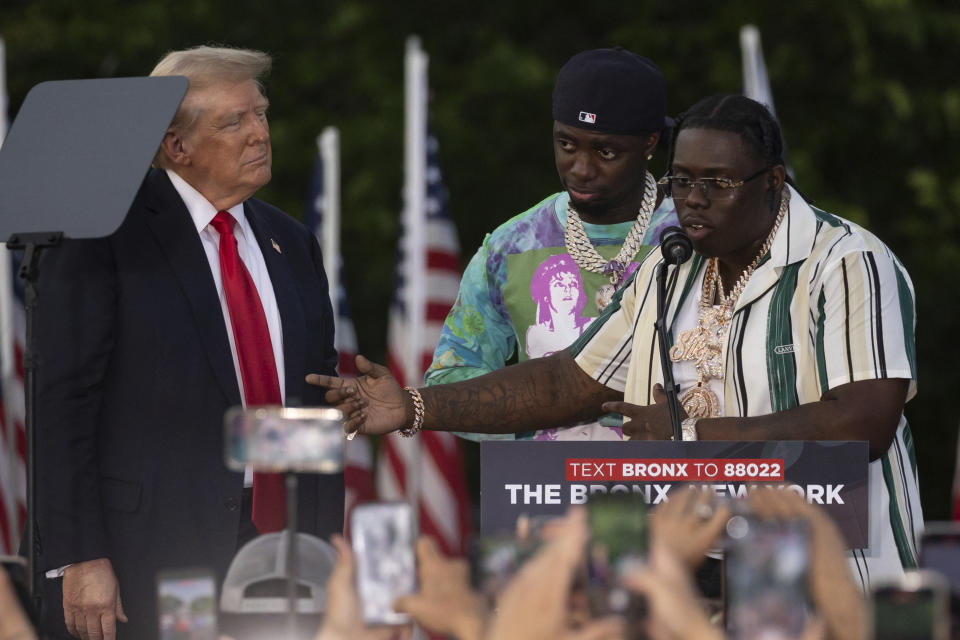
x: 373, y: 403
x: 650, y: 422
x: 91, y: 600
x: 689, y: 524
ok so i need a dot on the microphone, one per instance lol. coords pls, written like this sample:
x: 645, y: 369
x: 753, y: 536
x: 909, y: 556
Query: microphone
x: 676, y: 249
x: 675, y: 245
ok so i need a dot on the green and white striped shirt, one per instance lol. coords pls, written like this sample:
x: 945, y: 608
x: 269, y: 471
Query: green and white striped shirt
x: 828, y: 305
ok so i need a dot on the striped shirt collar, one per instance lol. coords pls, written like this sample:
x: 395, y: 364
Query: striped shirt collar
x: 796, y: 235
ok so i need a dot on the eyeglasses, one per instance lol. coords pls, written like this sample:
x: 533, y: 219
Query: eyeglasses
x: 679, y: 187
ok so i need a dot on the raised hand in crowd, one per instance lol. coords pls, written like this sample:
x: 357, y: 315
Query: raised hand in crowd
x: 535, y: 604
x: 674, y: 612
x: 833, y: 589
x: 689, y: 524
x: 344, y: 617
x: 14, y: 624
x: 445, y: 603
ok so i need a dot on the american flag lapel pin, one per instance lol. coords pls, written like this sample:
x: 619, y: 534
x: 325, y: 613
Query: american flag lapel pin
x: 275, y: 246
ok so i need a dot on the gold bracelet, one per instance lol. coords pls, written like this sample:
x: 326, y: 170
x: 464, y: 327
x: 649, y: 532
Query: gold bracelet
x: 417, y: 413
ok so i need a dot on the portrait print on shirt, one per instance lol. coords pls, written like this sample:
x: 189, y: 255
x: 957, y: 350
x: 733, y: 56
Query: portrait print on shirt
x: 554, y: 302
x: 557, y: 290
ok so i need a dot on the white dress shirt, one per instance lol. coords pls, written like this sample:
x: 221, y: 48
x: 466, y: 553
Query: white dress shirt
x: 202, y: 214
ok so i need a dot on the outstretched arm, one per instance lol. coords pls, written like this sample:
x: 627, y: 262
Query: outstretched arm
x: 550, y: 391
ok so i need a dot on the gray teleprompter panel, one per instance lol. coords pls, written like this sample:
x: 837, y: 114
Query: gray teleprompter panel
x: 79, y: 150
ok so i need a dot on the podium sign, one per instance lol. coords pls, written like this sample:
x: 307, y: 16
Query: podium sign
x: 544, y: 478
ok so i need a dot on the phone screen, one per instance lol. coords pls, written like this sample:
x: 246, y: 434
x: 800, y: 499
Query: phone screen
x: 940, y: 551
x: 766, y: 568
x: 618, y: 543
x: 383, y: 535
x: 906, y: 614
x: 187, y: 605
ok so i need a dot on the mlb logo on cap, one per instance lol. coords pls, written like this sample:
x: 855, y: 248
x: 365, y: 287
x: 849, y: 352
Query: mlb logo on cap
x: 590, y: 118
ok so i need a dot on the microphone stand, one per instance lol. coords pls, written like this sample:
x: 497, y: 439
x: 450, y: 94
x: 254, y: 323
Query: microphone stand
x: 664, y: 294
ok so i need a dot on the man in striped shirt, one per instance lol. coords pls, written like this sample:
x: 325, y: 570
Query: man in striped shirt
x: 789, y: 324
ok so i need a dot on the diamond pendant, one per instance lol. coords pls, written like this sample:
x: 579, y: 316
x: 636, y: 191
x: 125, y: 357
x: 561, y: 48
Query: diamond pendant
x: 700, y: 402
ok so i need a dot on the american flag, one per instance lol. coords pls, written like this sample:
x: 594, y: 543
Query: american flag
x: 323, y: 218
x: 13, y: 442
x: 426, y: 470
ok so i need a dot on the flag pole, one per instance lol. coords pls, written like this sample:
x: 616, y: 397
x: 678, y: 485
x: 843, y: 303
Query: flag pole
x: 756, y: 82
x: 8, y: 474
x: 328, y: 145
x: 415, y: 191
x: 6, y: 276
x: 415, y: 234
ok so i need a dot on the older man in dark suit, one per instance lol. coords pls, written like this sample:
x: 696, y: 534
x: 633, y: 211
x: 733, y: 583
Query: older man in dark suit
x: 203, y: 299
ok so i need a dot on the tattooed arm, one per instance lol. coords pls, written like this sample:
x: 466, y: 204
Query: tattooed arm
x: 550, y: 391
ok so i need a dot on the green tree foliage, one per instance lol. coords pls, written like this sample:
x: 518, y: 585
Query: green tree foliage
x: 170, y: 604
x: 202, y: 605
x: 866, y: 91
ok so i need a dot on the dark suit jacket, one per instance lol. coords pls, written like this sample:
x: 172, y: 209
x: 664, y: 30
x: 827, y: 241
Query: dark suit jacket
x: 135, y: 375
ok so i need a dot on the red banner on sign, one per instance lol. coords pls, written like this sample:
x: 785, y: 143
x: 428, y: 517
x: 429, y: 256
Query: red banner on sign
x: 674, y: 470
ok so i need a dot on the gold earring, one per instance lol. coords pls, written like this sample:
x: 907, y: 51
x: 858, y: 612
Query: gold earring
x: 650, y: 157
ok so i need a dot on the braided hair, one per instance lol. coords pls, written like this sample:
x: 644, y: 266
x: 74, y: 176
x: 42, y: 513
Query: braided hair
x: 749, y: 119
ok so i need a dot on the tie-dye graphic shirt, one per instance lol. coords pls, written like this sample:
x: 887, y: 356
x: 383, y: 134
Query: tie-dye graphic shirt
x: 522, y: 293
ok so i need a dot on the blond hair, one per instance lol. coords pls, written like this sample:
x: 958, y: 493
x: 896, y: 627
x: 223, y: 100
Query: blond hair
x: 205, y: 66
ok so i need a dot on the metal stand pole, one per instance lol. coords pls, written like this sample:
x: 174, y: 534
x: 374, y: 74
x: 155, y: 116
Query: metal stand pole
x: 671, y: 388
x: 292, y: 556
x: 32, y: 245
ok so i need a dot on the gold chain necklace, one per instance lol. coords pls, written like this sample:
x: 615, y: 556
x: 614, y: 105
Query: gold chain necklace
x: 704, y: 344
x: 586, y: 256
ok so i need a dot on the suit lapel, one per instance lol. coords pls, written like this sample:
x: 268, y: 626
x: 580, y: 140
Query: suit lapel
x: 288, y: 301
x: 171, y: 223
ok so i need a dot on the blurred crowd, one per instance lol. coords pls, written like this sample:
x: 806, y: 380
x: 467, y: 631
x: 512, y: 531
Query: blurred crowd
x: 547, y: 595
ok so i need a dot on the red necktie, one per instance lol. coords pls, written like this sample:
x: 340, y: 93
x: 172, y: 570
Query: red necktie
x: 258, y: 369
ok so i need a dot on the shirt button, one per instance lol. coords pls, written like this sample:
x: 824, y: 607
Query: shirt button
x: 232, y: 504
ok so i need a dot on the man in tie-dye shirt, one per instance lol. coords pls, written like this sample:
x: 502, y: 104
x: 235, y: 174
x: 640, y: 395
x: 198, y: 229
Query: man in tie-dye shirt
x: 524, y: 293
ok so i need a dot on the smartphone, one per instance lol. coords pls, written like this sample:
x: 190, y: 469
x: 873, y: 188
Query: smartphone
x: 940, y: 552
x: 766, y: 571
x: 187, y: 604
x: 618, y: 544
x: 383, y: 535
x: 915, y: 607
x: 304, y: 439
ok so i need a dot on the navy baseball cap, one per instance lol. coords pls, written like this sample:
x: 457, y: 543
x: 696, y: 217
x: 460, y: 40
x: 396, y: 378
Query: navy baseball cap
x: 610, y: 91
